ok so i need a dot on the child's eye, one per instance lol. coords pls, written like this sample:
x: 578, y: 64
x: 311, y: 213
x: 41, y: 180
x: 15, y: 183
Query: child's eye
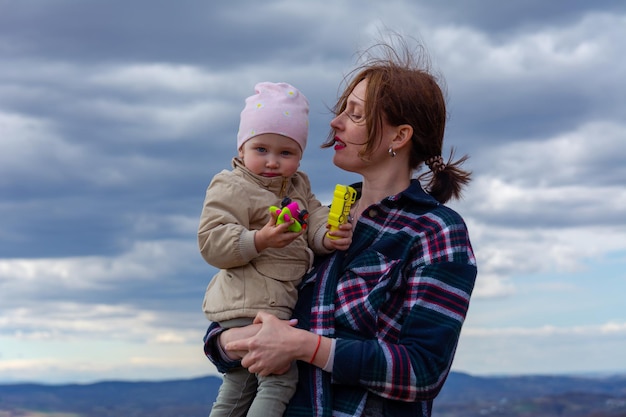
x: 286, y: 153
x: 261, y: 149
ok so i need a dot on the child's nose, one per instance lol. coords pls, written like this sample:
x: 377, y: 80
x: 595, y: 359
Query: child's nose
x: 272, y: 162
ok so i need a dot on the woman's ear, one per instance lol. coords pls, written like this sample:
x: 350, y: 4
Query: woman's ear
x: 404, y: 133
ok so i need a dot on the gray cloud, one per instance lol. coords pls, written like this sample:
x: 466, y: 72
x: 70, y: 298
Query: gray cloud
x: 502, y: 18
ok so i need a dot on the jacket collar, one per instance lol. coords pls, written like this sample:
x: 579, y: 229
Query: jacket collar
x: 277, y: 185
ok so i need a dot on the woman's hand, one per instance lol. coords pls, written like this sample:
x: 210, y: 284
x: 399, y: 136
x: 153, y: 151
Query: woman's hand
x: 270, y: 350
x: 237, y: 333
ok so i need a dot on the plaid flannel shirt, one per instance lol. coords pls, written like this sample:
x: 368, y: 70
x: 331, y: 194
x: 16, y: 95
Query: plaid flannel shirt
x: 395, y: 302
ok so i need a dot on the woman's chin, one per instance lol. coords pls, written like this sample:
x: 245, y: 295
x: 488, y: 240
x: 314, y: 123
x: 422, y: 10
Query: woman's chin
x: 341, y: 164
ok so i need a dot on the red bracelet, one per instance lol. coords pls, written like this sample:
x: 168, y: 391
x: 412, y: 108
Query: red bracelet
x: 319, y: 342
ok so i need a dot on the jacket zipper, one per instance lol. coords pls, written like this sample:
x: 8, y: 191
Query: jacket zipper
x: 283, y: 188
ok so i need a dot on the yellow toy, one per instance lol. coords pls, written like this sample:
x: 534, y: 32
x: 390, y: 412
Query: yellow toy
x: 343, y: 198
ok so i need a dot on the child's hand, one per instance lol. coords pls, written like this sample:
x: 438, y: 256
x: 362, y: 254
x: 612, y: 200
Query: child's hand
x: 273, y: 235
x: 343, y: 237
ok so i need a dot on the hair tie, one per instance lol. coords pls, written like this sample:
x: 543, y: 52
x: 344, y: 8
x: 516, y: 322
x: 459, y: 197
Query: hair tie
x: 435, y: 163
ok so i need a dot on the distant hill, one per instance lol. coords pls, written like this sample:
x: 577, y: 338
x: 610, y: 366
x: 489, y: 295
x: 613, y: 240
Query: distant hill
x: 463, y: 395
x: 532, y: 396
x: 180, y: 398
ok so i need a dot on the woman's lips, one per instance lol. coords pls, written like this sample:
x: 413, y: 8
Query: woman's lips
x: 339, y: 144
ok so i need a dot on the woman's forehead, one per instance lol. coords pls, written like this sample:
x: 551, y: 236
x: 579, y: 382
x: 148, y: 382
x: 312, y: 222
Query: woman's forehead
x: 357, y: 96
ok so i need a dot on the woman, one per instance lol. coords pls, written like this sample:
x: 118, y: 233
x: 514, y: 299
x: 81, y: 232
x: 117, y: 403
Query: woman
x: 378, y: 324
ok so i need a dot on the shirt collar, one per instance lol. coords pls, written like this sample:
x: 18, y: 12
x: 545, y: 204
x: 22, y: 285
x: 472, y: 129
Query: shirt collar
x: 413, y: 192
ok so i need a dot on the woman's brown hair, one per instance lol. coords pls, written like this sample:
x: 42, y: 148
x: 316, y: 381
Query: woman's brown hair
x: 402, y: 90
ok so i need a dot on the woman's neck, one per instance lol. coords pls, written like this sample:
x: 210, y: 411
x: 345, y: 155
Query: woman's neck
x: 376, y: 189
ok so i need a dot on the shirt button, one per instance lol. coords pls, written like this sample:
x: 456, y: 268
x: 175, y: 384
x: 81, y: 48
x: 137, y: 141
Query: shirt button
x: 372, y: 213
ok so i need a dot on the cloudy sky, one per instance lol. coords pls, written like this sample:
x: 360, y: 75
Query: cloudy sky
x: 114, y: 116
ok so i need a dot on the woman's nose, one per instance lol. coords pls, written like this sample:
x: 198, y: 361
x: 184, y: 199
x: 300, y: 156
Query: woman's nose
x: 336, y: 122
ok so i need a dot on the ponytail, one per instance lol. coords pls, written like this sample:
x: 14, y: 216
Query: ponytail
x: 445, y: 181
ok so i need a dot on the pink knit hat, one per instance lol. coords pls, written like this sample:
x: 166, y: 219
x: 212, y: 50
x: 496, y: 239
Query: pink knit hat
x: 275, y: 108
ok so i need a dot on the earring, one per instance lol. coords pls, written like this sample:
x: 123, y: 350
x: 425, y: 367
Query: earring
x: 391, y: 152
